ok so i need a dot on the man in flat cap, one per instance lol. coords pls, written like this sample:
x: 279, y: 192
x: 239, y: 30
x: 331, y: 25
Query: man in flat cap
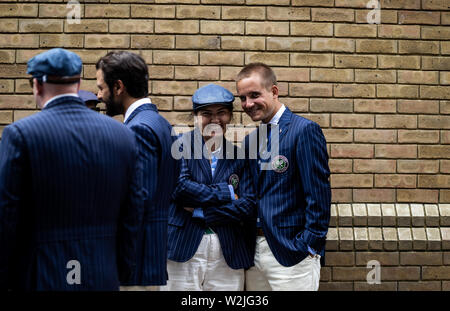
x: 69, y: 208
x: 122, y: 80
x: 90, y: 99
x: 211, y: 239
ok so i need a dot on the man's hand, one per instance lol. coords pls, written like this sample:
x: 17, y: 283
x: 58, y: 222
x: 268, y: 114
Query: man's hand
x: 189, y: 209
x: 236, y: 196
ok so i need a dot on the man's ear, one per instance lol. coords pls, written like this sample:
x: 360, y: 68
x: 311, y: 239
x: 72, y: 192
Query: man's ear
x: 39, y: 87
x: 275, y: 91
x: 119, y: 88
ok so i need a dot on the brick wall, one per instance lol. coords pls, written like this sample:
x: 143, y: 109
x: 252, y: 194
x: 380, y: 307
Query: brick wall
x: 381, y: 94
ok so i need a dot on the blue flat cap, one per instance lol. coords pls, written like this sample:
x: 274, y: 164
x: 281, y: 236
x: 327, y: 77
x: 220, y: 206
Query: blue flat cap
x: 212, y: 94
x: 87, y: 96
x: 55, y: 63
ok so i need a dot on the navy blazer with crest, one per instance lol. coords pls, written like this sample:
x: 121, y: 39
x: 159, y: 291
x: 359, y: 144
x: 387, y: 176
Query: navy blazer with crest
x: 232, y: 220
x: 160, y: 173
x: 67, y: 216
x: 294, y: 199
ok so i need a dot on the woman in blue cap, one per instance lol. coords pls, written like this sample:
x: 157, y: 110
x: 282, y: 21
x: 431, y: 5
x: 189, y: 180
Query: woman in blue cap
x: 211, y: 221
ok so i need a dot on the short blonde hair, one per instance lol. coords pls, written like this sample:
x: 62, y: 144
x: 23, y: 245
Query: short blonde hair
x: 266, y: 73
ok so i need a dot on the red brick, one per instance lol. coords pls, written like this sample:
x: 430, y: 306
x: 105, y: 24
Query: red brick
x: 399, y: 31
x: 418, y: 17
x: 434, y: 122
x: 341, y: 195
x: 436, y: 273
x: 340, y: 258
x: 434, y: 181
x: 434, y: 152
x: 384, y: 286
x: 352, y: 151
x: 331, y: 105
x: 385, y: 258
x: 396, y: 151
x: 400, y: 273
x: 340, y: 165
x: 352, y: 120
x: 400, y: 4
x: 350, y: 273
x: 375, y: 105
x: 374, y: 195
x: 445, y: 166
x: 311, y: 89
x: 421, y: 258
x: 335, y: 15
x: 418, y: 136
x: 374, y: 166
x: 419, y: 286
x: 396, y: 121
x: 417, y: 195
x: 395, y: 181
x: 338, y: 135
x: 418, y: 106
x: 354, y: 90
x: 351, y: 180
x: 335, y: 286
x: 376, y: 136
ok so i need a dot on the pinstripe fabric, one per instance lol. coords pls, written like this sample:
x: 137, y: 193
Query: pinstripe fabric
x: 65, y: 188
x: 294, y: 206
x: 153, y: 135
x: 233, y: 221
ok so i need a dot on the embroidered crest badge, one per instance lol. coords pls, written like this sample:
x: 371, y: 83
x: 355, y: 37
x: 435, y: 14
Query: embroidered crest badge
x: 280, y: 164
x: 234, y: 181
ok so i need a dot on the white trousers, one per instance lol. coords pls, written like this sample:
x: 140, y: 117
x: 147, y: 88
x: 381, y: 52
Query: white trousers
x: 207, y: 270
x: 268, y: 274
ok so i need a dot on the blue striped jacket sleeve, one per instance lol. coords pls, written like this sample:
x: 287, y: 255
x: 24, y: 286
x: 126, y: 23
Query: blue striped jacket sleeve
x: 312, y: 159
x: 236, y: 210
x: 196, y: 194
x: 130, y: 218
x: 12, y: 178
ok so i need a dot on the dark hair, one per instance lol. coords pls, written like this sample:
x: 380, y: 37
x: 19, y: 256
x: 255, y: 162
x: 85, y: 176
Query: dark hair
x: 268, y: 76
x: 128, y: 67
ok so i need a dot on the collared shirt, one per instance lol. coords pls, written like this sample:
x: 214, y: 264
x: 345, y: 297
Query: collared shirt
x: 58, y: 96
x: 134, y: 106
x: 277, y: 116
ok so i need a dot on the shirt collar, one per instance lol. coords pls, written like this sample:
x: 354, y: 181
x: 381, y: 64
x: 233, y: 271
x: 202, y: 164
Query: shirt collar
x: 134, y: 106
x: 216, y: 152
x: 58, y: 96
x: 277, y: 116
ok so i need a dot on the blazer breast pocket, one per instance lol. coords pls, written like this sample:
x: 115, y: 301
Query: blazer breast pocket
x: 280, y: 166
x: 177, y: 220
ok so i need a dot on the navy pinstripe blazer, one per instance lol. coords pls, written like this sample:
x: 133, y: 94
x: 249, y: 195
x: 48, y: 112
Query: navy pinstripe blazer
x: 233, y: 221
x: 65, y: 188
x: 294, y: 205
x: 160, y: 173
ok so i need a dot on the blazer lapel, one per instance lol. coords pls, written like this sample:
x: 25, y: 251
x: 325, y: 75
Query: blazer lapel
x: 197, y: 141
x: 227, y: 149
x: 283, y: 127
x: 139, y: 109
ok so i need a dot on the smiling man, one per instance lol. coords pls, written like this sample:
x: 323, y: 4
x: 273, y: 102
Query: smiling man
x: 293, y: 197
x: 122, y: 80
